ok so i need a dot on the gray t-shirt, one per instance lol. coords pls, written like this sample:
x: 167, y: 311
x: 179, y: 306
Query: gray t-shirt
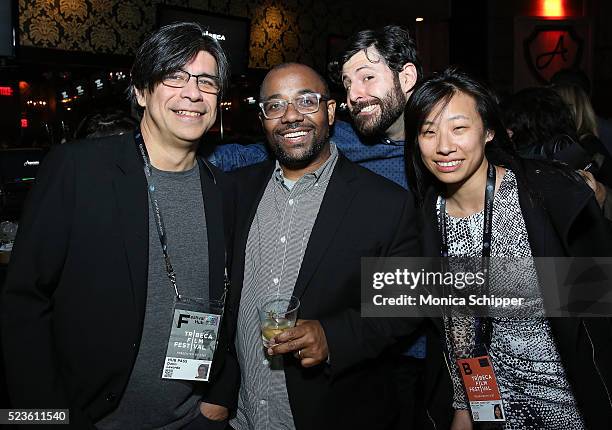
x: 150, y: 401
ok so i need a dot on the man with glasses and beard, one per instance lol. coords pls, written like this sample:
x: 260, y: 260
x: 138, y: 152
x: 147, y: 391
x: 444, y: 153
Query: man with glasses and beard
x: 379, y: 69
x: 304, y: 223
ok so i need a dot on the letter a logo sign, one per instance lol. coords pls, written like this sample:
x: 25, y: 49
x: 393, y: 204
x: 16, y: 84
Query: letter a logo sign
x: 551, y: 48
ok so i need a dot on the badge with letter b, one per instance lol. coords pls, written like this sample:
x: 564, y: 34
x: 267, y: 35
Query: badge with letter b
x: 481, y: 388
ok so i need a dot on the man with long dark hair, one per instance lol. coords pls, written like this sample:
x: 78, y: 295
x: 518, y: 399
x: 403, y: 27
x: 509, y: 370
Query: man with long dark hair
x: 117, y: 235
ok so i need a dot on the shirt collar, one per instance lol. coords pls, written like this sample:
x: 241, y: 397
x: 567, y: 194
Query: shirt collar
x: 321, y: 173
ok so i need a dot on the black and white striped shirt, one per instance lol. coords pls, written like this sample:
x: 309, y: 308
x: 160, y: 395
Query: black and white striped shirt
x: 275, y: 247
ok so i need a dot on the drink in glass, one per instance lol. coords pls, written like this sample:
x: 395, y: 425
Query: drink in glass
x: 276, y: 314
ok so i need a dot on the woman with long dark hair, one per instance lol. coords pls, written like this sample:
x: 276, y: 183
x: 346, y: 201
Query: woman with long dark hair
x: 553, y: 373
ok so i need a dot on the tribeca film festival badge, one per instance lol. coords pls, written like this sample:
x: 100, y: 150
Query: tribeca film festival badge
x: 192, y: 343
x: 481, y: 388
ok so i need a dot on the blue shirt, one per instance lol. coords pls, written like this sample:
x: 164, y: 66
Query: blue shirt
x: 378, y: 154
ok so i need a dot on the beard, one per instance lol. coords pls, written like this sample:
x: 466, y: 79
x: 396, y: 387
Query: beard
x: 391, y: 108
x: 307, y: 153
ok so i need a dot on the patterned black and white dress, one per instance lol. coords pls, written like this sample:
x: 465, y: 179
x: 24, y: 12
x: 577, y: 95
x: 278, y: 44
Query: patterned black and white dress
x: 532, y: 380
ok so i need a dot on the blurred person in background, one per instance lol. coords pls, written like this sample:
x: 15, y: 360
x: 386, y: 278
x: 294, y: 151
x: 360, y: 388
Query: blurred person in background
x: 580, y: 79
x: 588, y: 135
x: 542, y: 126
x: 106, y: 122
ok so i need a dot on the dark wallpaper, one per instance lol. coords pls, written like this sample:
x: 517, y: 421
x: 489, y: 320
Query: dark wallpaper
x: 281, y: 31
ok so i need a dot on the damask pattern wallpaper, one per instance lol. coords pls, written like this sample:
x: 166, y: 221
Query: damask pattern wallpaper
x: 289, y: 30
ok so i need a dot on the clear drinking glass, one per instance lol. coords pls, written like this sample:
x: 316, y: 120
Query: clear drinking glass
x: 276, y: 314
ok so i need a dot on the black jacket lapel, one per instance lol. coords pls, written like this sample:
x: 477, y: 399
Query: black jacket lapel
x: 336, y: 202
x: 213, y: 208
x: 130, y: 188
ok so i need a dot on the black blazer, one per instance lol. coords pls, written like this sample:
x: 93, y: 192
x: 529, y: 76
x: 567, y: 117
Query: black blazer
x: 74, y: 298
x: 563, y: 221
x: 362, y: 215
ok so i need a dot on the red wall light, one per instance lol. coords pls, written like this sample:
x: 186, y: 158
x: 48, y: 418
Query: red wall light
x: 6, y: 91
x: 552, y: 8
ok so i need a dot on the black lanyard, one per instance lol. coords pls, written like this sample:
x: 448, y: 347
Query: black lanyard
x: 488, y: 217
x: 483, y: 334
x: 159, y: 220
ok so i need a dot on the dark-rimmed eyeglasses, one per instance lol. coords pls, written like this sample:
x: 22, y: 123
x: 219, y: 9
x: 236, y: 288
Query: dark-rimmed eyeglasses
x: 304, y: 104
x: 206, y: 83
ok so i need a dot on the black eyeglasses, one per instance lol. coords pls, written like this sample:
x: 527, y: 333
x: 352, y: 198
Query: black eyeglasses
x: 180, y: 78
x: 304, y: 104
